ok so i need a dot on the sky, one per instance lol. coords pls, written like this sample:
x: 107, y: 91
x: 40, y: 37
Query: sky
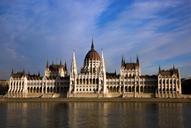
x: 34, y: 31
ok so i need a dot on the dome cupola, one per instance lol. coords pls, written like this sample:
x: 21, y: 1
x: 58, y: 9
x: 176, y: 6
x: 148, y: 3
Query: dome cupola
x: 92, y: 54
x: 92, y: 61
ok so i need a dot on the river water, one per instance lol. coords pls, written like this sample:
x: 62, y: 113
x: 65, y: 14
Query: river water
x: 95, y: 115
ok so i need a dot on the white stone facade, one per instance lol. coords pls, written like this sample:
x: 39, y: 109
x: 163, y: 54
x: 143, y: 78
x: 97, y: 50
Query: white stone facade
x: 93, y: 81
x: 169, y: 83
x: 52, y: 84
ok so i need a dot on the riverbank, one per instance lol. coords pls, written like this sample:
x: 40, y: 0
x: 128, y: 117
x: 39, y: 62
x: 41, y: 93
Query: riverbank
x: 174, y: 100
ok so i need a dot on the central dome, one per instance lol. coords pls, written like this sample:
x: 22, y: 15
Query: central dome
x: 92, y: 54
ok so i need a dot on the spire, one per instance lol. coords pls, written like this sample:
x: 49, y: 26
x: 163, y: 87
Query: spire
x: 102, y: 62
x: 122, y: 61
x: 137, y: 60
x: 92, y: 46
x: 24, y: 71
x: 38, y: 73
x: 173, y: 67
x: 60, y: 62
x: 103, y: 72
x: 102, y: 57
x: 65, y: 66
x: 12, y: 71
x: 47, y: 64
x: 74, y: 65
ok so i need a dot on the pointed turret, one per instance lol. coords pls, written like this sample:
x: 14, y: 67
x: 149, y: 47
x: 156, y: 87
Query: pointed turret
x: 173, y: 67
x: 12, y: 72
x: 38, y: 73
x: 60, y: 62
x: 65, y: 66
x: 137, y: 60
x: 103, y: 72
x: 159, y: 69
x: 73, y: 65
x: 24, y: 72
x: 122, y: 61
x: 47, y: 64
x: 92, y: 45
x: 102, y: 62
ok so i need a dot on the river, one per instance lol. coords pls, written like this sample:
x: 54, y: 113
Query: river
x: 95, y: 115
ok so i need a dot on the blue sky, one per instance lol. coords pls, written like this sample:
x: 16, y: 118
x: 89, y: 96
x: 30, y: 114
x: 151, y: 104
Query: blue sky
x: 33, y: 31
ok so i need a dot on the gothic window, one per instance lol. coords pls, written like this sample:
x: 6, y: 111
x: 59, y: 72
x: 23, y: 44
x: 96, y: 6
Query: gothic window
x: 126, y: 89
x: 97, y: 81
x: 137, y: 89
x: 141, y: 88
x: 121, y: 89
x: 94, y: 70
x: 160, y: 81
x: 87, y: 81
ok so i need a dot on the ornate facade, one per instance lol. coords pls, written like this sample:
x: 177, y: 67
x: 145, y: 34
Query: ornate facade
x: 93, y: 81
x: 54, y: 83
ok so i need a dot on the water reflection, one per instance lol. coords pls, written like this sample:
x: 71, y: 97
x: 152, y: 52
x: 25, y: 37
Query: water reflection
x: 94, y: 115
x: 170, y: 118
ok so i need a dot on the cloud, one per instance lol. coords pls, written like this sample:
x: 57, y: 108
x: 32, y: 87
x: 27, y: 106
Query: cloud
x: 34, y: 31
x: 150, y: 29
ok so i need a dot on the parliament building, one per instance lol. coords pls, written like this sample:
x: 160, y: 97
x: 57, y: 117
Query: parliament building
x: 94, y: 81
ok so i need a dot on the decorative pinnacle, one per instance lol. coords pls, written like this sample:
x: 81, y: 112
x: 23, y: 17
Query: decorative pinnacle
x: 137, y: 60
x: 12, y: 71
x: 60, y: 62
x: 92, y: 46
x: 47, y: 64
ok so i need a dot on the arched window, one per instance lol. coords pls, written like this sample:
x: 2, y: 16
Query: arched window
x: 130, y: 89
x: 141, y: 88
x: 97, y: 81
x: 87, y: 82
x: 48, y: 90
x: 54, y: 90
x: 126, y: 88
